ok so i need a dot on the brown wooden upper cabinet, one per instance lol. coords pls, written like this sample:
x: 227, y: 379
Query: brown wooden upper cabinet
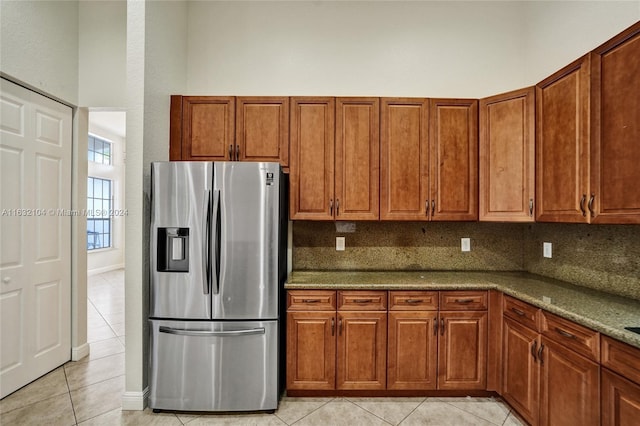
x: 335, y: 151
x: 507, y: 156
x: 262, y: 129
x: 588, y: 133
x: 226, y: 128
x: 615, y: 134
x: 453, y: 136
x: 202, y: 128
x: 429, y: 159
x: 404, y: 159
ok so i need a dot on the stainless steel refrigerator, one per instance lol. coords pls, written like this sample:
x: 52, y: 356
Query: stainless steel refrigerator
x: 218, y: 263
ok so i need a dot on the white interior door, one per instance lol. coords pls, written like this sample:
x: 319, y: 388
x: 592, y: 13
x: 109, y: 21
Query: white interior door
x: 35, y: 226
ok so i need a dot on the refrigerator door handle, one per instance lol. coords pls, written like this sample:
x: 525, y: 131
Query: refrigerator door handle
x: 206, y: 265
x: 216, y: 239
x: 208, y: 333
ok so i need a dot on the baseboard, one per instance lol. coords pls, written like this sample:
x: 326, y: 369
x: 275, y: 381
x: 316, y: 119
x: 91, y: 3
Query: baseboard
x: 97, y: 271
x: 135, y: 401
x: 79, y: 352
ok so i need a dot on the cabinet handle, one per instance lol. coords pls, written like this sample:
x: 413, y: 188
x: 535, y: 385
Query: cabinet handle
x: 582, y: 200
x: 426, y: 208
x: 540, y: 353
x: 337, y: 206
x: 565, y: 333
x: 531, y: 207
x: 433, y: 207
x: 464, y: 300
x: 237, y: 152
x: 362, y: 300
x: 333, y: 326
x: 230, y: 152
x: 413, y: 300
x: 435, y: 326
x: 331, y: 207
x: 340, y: 326
x: 533, y: 350
x: 518, y: 312
x: 442, y: 326
x: 590, y: 205
x: 311, y: 300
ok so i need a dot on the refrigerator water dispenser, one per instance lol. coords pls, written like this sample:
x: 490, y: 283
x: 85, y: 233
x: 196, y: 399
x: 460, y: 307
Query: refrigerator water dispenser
x: 173, y: 250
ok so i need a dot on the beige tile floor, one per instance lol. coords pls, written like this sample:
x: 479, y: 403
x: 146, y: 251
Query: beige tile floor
x: 88, y: 392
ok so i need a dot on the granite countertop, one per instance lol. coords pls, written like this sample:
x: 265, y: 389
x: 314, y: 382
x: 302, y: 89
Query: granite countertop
x: 603, y: 312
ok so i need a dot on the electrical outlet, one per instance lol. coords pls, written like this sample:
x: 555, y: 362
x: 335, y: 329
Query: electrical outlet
x: 339, y: 243
x: 546, y: 250
x: 465, y: 244
x: 546, y: 299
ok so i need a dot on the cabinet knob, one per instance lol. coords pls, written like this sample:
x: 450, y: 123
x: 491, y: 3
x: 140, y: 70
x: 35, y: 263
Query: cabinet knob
x: 6, y: 280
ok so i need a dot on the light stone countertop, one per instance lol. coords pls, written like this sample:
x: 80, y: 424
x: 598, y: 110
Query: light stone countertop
x: 600, y: 311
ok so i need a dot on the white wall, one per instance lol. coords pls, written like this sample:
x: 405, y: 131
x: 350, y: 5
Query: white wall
x: 39, y: 46
x: 156, y: 68
x: 102, y: 53
x: 435, y: 49
x: 111, y: 258
x: 560, y: 32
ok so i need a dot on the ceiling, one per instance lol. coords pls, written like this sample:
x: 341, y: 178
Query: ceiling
x: 112, y: 121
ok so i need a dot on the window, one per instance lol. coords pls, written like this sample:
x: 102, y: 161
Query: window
x: 99, y: 150
x: 98, y: 213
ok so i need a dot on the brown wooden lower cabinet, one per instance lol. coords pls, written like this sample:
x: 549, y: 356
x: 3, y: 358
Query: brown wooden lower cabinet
x: 569, y: 387
x: 520, y: 369
x: 362, y: 350
x: 311, y: 350
x: 462, y: 350
x: 620, y: 400
x: 412, y: 350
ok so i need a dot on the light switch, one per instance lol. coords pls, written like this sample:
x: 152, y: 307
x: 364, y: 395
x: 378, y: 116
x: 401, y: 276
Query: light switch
x: 465, y: 244
x: 340, y: 243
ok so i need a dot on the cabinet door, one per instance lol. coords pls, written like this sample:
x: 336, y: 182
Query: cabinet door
x: 507, y: 156
x: 620, y: 400
x: 404, y: 159
x: 412, y: 350
x: 311, y: 350
x: 262, y: 129
x: 208, y: 124
x: 312, y: 158
x: 562, y: 144
x: 569, y: 387
x: 357, y: 170
x: 453, y: 140
x: 520, y: 370
x: 362, y: 350
x: 615, y: 148
x: 462, y: 350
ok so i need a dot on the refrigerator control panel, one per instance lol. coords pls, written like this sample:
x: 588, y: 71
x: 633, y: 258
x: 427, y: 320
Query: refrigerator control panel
x: 173, y: 250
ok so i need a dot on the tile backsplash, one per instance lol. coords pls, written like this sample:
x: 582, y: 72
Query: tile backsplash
x: 603, y: 257
x: 409, y: 246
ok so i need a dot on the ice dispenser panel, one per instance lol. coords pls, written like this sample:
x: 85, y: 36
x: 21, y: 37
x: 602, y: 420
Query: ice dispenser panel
x: 173, y: 250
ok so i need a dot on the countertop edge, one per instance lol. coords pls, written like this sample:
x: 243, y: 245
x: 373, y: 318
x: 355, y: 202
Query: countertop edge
x: 616, y: 332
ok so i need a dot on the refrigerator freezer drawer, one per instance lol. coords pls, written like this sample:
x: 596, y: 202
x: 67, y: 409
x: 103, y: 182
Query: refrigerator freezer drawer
x: 214, y: 365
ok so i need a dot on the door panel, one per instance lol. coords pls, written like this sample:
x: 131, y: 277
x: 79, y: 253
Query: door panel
x: 179, y: 192
x: 35, y: 260
x: 249, y: 206
x: 262, y: 129
x: 222, y: 366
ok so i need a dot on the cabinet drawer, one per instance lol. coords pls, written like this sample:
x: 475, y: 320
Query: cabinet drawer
x: 413, y: 300
x: 521, y: 312
x: 463, y: 300
x: 360, y: 300
x: 311, y: 300
x: 571, y: 335
x: 621, y: 358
